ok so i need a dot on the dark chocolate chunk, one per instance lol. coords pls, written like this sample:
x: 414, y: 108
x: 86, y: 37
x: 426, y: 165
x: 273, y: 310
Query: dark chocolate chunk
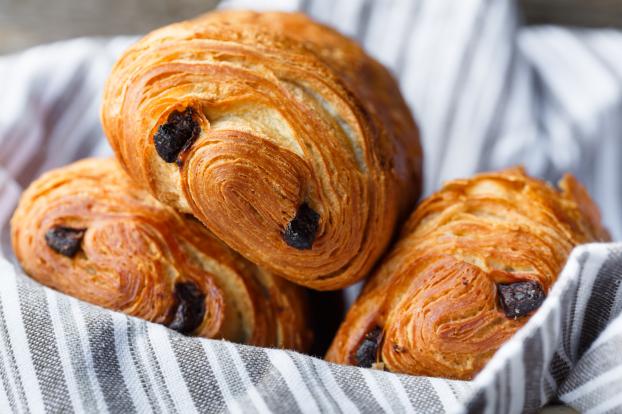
x: 176, y: 135
x: 190, y: 308
x: 520, y: 298
x: 64, y: 240
x: 367, y: 351
x: 301, y: 231
x: 398, y: 349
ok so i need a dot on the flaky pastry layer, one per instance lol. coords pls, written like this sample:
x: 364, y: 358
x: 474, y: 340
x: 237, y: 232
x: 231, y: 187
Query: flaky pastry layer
x: 474, y: 261
x: 87, y: 230
x: 282, y: 136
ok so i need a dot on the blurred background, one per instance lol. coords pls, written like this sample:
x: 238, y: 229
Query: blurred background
x: 25, y: 23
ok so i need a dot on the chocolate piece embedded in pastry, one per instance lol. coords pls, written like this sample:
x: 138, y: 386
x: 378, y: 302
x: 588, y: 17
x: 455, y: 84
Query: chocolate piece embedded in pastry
x: 283, y: 137
x: 88, y: 231
x: 474, y: 261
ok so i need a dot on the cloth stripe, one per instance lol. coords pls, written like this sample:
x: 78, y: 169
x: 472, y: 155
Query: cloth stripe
x: 376, y: 391
x: 486, y: 92
x: 171, y: 370
x: 223, y: 387
x: 353, y: 383
x: 337, y: 394
x: 133, y: 332
x: 11, y: 383
x: 126, y: 354
x: 73, y: 386
x: 444, y: 392
x: 609, y: 377
x: 388, y: 392
x: 247, y: 384
x: 232, y: 378
x: 6, y: 403
x: 43, y: 348
x: 148, y: 354
x: 100, y: 331
x: 591, y: 267
x: 610, y: 405
x: 84, y: 346
x: 284, y: 364
x: 14, y: 334
x: 532, y: 362
x: 601, y: 302
x: 400, y: 393
x: 268, y: 381
x: 317, y: 388
x: 197, y: 374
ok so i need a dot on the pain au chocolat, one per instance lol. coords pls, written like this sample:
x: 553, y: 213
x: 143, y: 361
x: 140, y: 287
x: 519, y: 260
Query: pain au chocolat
x: 88, y: 231
x: 282, y: 136
x: 474, y: 261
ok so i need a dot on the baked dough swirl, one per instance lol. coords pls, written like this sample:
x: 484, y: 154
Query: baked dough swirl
x: 474, y: 261
x: 283, y: 137
x: 88, y: 231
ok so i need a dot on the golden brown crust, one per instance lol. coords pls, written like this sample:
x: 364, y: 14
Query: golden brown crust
x: 289, y: 112
x: 135, y: 251
x: 435, y: 297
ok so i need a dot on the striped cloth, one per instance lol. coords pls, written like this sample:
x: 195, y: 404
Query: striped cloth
x: 487, y: 94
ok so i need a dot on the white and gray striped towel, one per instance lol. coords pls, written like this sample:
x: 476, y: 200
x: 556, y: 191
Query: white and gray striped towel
x: 487, y: 94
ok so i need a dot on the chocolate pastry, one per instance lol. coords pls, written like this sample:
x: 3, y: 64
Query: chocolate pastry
x: 87, y: 230
x: 292, y: 145
x: 64, y: 240
x: 474, y: 262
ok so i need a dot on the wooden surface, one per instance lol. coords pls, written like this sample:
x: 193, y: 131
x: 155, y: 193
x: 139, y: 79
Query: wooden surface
x: 25, y: 23
x: 588, y: 13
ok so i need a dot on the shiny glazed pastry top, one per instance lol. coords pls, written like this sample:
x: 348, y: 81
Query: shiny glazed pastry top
x: 88, y: 231
x: 474, y: 261
x: 283, y: 137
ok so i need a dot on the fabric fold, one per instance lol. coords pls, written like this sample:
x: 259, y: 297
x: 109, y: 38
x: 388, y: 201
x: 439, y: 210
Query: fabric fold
x: 487, y: 94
